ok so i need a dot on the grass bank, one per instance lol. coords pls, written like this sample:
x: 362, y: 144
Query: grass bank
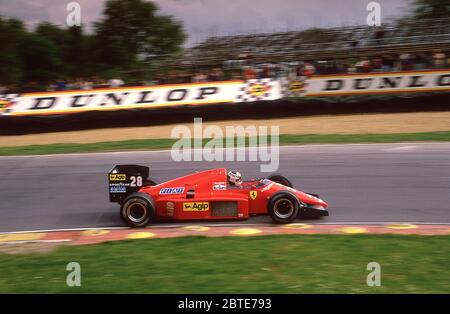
x: 286, y: 139
x: 263, y: 264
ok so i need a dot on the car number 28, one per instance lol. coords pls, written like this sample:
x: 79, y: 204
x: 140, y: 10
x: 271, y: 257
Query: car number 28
x: 136, y: 181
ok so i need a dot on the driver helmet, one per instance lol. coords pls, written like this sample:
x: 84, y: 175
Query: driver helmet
x: 234, y: 177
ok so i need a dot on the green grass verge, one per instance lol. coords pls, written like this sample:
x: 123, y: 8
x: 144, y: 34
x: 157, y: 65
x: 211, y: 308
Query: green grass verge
x: 263, y: 264
x: 167, y: 143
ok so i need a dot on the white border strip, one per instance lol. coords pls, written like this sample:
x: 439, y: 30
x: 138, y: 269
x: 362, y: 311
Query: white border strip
x: 35, y: 241
x: 281, y: 147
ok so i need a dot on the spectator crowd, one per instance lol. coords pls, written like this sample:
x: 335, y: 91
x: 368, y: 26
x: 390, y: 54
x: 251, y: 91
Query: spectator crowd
x: 243, y: 69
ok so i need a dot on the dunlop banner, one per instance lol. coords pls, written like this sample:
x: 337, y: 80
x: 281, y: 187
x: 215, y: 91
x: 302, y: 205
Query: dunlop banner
x: 377, y: 83
x: 141, y: 97
x: 66, y: 102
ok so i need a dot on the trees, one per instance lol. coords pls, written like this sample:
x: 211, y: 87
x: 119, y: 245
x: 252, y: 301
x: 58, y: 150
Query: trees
x: 11, y: 32
x: 131, y: 32
x: 129, y: 35
x: 40, y: 59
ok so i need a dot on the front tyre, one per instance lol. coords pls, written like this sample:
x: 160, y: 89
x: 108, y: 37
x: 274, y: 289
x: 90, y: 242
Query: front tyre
x: 138, y: 210
x: 278, y: 178
x: 283, y: 207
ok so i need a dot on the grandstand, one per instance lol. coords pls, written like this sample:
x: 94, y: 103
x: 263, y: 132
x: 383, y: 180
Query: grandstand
x: 405, y: 35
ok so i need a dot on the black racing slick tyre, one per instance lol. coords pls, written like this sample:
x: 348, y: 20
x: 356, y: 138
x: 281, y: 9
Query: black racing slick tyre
x: 283, y: 207
x: 278, y: 178
x: 137, y: 210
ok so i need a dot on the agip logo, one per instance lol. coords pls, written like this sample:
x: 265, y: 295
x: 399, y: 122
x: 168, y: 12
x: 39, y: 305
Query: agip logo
x: 296, y: 86
x: 117, y: 177
x: 196, y: 207
x: 3, y: 105
x: 258, y: 89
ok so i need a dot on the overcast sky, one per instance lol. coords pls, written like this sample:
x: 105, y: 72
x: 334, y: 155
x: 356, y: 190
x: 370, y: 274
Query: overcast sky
x: 203, y: 18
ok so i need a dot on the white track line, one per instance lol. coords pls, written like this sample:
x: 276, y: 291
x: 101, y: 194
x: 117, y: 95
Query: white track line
x: 281, y: 147
x: 169, y: 226
x: 34, y: 241
x: 61, y: 230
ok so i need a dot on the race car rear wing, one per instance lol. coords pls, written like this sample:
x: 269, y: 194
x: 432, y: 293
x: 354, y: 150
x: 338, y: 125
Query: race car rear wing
x: 126, y: 179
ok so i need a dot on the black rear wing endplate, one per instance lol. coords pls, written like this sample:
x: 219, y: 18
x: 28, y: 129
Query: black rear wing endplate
x: 126, y: 179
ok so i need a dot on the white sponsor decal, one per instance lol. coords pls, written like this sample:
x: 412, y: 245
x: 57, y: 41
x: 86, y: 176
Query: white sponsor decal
x: 219, y: 186
x: 179, y: 190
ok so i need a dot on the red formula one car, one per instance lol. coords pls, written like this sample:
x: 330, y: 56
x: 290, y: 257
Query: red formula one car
x: 207, y: 195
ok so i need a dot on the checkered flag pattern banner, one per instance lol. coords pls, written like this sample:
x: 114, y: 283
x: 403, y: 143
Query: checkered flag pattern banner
x: 256, y: 90
x: 8, y: 97
x: 7, y: 100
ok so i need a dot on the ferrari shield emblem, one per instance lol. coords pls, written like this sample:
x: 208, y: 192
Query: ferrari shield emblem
x: 253, y: 194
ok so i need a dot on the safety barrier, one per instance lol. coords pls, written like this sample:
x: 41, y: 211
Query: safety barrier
x: 226, y: 92
x: 141, y: 97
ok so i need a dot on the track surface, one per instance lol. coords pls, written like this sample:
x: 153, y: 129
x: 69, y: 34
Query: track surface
x: 362, y: 183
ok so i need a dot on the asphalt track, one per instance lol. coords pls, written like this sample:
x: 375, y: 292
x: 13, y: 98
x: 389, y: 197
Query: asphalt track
x: 367, y: 183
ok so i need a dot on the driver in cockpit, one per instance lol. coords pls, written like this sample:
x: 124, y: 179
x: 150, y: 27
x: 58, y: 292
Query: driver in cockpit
x: 234, y: 178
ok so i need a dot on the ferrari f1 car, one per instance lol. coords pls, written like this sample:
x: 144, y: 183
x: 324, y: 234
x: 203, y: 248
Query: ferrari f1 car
x: 207, y: 195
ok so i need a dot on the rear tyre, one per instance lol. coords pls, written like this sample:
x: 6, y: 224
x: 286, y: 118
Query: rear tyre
x: 137, y: 210
x: 278, y: 178
x: 283, y: 207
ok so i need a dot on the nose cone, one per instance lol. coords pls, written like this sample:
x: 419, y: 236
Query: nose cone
x: 311, y: 199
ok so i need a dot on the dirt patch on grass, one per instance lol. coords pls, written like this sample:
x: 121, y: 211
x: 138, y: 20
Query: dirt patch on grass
x: 327, y: 124
x: 29, y: 247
